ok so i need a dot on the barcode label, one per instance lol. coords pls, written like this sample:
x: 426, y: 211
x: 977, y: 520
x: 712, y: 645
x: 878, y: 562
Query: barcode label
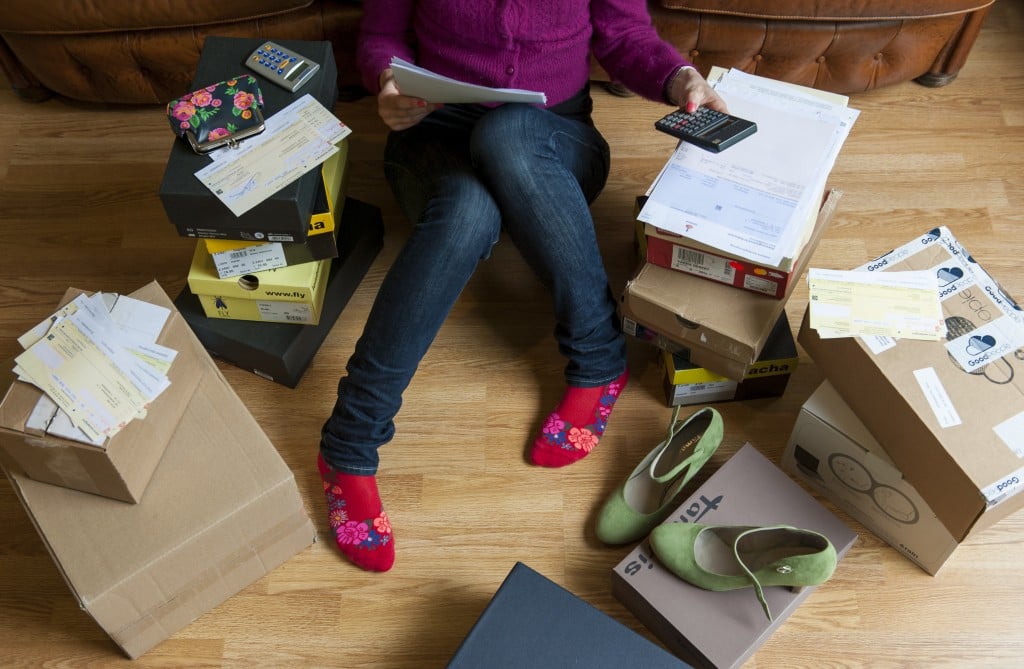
x: 702, y: 264
x: 249, y: 260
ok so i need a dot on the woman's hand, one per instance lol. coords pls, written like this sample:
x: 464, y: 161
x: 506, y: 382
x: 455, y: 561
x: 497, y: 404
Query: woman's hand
x: 690, y: 90
x: 400, y: 111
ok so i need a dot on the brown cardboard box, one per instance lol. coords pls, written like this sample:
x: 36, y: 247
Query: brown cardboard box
x: 832, y: 451
x: 950, y: 413
x: 724, y: 328
x: 723, y: 629
x: 122, y: 468
x: 221, y: 511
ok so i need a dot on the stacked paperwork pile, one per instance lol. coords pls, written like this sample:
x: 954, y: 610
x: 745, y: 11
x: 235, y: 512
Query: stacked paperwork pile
x: 757, y: 200
x: 98, y: 363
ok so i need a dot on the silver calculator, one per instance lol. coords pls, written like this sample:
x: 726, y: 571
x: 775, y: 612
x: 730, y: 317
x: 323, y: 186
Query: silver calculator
x: 284, y: 67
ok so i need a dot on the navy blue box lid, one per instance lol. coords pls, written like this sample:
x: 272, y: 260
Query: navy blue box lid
x: 532, y: 622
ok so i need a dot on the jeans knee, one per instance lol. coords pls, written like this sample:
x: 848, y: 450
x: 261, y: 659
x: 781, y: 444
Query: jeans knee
x: 464, y: 221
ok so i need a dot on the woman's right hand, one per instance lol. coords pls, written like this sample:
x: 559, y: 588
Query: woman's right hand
x: 400, y: 111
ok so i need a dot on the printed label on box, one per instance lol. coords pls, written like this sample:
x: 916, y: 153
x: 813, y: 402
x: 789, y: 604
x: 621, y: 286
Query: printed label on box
x: 702, y: 264
x: 759, y: 285
x: 249, y: 260
x: 285, y: 312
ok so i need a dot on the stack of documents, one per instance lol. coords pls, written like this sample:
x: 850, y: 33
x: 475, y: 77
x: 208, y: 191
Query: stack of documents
x: 98, y: 363
x: 904, y: 305
x: 757, y: 200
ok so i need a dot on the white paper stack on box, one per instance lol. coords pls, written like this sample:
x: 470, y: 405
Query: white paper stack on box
x: 744, y: 215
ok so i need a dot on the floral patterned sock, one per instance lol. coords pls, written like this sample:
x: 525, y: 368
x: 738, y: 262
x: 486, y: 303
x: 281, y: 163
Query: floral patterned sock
x: 357, y: 517
x: 576, y: 425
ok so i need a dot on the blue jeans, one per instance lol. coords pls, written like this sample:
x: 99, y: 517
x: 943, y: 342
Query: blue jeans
x: 465, y: 174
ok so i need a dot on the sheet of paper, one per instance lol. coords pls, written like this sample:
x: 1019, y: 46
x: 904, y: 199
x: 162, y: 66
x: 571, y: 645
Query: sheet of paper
x: 296, y: 140
x: 421, y: 83
x: 757, y: 199
x: 82, y: 381
x: 896, y: 304
x: 244, y: 181
x: 306, y: 109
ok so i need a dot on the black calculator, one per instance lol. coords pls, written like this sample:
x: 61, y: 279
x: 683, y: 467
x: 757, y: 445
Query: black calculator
x: 707, y: 128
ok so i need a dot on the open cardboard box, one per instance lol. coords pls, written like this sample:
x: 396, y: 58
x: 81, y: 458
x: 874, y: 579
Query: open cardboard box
x: 832, y: 451
x: 221, y: 510
x: 723, y: 327
x: 123, y: 466
x: 949, y: 413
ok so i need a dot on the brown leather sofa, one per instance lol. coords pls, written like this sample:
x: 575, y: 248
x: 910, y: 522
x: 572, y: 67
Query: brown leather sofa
x: 145, y: 51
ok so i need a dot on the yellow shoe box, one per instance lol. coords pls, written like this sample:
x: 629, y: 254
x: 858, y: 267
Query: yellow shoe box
x: 292, y: 294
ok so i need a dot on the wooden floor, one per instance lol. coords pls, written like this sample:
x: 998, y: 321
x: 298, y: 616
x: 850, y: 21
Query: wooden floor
x: 79, y: 207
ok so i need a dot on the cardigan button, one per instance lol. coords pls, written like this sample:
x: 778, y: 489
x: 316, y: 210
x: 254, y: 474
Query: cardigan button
x: 510, y: 70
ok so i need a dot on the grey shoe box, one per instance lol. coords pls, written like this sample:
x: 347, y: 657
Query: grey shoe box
x: 722, y: 630
x: 534, y: 623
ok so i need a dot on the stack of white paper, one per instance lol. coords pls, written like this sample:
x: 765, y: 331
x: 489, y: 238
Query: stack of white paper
x: 755, y: 200
x: 98, y: 363
x: 422, y: 83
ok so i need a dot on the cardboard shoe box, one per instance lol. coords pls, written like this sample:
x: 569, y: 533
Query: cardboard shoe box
x: 667, y: 249
x: 725, y: 329
x: 221, y: 511
x: 281, y: 352
x: 191, y: 207
x: 122, y: 467
x: 723, y: 629
x: 532, y: 622
x: 686, y: 383
x: 950, y: 414
x: 292, y: 294
x: 836, y: 455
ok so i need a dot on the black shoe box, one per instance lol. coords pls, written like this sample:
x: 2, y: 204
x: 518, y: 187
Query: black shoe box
x: 533, y: 622
x: 282, y: 352
x: 189, y: 204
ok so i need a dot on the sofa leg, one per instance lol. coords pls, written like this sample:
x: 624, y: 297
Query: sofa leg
x: 617, y: 89
x: 935, y: 79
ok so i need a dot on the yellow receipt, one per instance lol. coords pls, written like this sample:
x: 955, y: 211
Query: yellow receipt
x: 857, y: 303
x: 90, y: 376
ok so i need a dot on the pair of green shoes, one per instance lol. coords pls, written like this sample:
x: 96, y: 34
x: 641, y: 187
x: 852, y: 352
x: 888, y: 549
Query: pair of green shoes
x: 711, y: 557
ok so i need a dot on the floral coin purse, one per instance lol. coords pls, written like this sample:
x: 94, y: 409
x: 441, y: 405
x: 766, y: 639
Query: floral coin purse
x: 218, y: 115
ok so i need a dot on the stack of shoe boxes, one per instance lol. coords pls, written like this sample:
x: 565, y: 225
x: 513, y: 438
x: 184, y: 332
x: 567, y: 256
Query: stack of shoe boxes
x: 265, y: 287
x: 717, y: 333
x: 717, y: 313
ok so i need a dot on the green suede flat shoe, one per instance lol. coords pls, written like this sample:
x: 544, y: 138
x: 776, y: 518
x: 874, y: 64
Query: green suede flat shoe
x: 723, y: 557
x: 655, y: 487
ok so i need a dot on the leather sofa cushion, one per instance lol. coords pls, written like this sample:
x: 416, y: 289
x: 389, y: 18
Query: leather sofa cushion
x: 815, y: 10
x: 48, y: 17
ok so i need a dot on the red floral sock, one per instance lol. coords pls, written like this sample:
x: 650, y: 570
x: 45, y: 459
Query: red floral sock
x: 357, y: 517
x: 576, y: 425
